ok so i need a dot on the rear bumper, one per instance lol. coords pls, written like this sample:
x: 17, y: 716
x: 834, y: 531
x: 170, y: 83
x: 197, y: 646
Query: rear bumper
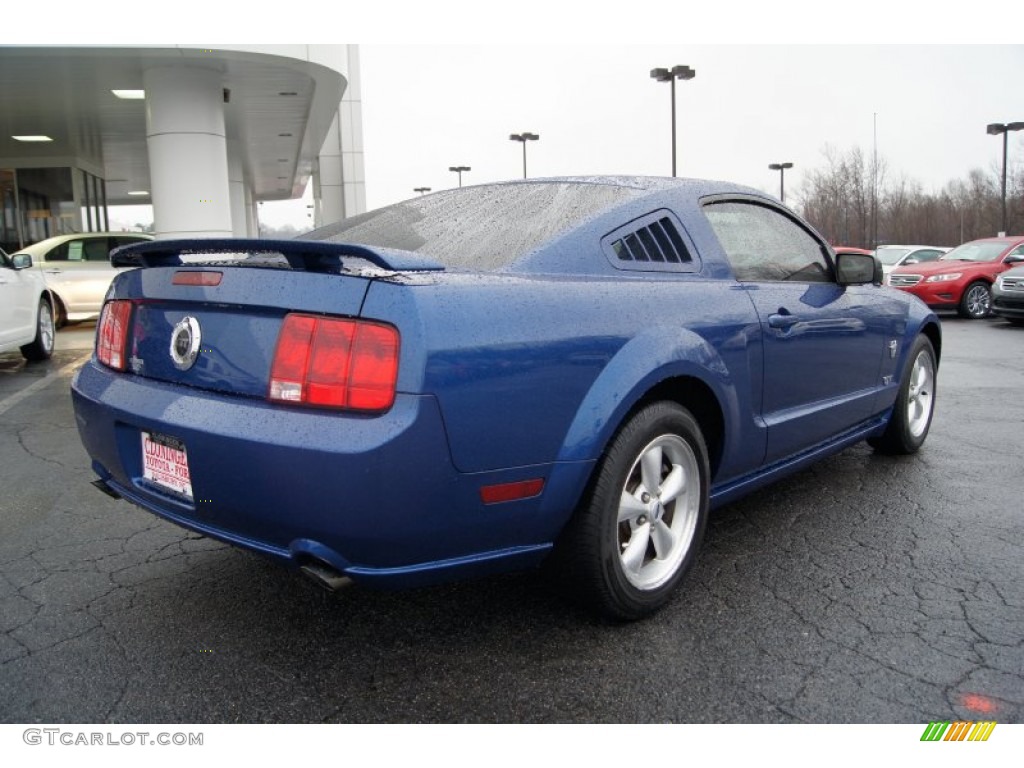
x: 376, y: 497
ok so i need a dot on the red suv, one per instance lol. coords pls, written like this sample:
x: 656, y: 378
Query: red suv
x: 961, y: 279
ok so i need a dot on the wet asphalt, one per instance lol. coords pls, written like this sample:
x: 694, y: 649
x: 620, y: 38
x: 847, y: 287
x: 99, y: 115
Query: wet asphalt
x: 867, y: 589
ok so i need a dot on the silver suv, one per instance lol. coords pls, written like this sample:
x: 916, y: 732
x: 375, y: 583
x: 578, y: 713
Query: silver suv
x: 1008, y: 296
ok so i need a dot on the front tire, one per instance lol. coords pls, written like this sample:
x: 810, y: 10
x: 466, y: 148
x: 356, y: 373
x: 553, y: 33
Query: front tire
x: 976, y: 301
x: 42, y: 346
x: 915, y: 404
x: 638, y: 529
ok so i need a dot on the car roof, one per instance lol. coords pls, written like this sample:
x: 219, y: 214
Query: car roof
x: 58, y: 239
x: 1008, y: 240
x: 915, y: 247
x: 85, y: 235
x: 697, y: 187
x: 563, y: 209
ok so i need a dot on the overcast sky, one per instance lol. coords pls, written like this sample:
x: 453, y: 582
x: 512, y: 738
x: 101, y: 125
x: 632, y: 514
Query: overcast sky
x: 597, y: 111
x: 576, y: 73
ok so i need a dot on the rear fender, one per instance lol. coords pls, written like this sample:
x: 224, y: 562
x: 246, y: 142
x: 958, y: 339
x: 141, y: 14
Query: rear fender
x: 641, y: 365
x: 645, y: 361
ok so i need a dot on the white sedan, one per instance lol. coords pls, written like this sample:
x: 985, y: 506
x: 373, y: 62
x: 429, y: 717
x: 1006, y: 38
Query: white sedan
x: 26, y: 308
x: 893, y: 256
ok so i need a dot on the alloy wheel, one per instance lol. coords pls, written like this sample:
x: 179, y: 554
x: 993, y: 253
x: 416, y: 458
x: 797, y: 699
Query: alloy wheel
x: 658, y: 512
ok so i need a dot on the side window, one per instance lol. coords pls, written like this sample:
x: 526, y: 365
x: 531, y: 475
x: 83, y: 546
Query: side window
x: 763, y: 245
x: 60, y: 253
x: 1018, y: 251
x: 927, y: 255
x: 96, y: 249
x: 75, y: 250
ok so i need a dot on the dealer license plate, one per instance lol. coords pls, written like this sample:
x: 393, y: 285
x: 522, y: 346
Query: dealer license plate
x: 165, y: 463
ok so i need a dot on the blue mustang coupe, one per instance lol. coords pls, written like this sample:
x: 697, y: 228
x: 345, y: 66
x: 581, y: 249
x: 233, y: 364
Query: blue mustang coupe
x: 563, y: 371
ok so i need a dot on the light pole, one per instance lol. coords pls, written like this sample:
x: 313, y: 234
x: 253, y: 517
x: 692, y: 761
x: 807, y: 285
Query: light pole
x: 781, y: 168
x: 421, y: 190
x: 874, y: 181
x: 680, y: 72
x: 995, y: 129
x: 524, y: 137
x: 459, y: 169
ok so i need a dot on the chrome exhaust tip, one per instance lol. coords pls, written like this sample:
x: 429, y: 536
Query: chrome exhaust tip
x: 324, y: 575
x: 101, y: 485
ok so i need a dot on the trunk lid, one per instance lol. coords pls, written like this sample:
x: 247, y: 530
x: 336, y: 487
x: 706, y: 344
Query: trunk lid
x: 215, y: 325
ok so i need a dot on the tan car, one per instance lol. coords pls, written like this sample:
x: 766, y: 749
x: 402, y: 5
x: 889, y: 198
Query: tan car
x: 77, y: 269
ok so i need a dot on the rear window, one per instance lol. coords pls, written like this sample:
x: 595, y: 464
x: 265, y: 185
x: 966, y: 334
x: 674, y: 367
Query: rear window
x: 478, y: 228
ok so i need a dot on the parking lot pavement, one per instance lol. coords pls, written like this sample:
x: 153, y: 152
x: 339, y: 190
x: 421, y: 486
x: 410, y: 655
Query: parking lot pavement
x: 76, y: 336
x: 867, y: 589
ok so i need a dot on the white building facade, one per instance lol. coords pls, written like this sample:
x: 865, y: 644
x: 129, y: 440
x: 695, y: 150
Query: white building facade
x: 202, y: 134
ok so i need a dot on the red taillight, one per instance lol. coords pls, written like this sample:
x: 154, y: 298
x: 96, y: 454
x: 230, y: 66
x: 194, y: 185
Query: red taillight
x: 112, y: 334
x: 374, y: 367
x: 288, y: 374
x: 335, y: 363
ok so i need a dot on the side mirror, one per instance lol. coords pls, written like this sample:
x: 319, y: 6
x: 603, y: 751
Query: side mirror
x: 912, y: 260
x: 1015, y: 259
x: 21, y: 261
x: 858, y: 269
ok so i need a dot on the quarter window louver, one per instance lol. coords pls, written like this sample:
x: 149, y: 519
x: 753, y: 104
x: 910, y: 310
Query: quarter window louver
x: 655, y: 242
x: 674, y: 243
x: 653, y: 249
x: 637, y: 250
x: 658, y: 242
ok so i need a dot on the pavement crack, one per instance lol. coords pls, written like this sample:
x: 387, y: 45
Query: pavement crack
x: 21, y: 442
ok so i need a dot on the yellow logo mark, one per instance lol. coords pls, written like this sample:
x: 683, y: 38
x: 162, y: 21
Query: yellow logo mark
x: 961, y: 730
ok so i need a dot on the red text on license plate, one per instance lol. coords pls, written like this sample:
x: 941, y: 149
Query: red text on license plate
x: 165, y: 463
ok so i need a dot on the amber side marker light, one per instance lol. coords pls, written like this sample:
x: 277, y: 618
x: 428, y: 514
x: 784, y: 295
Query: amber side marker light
x: 197, y: 278
x: 524, y: 489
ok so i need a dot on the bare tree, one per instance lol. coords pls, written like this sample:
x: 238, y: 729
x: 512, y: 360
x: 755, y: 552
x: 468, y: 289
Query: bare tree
x: 837, y: 199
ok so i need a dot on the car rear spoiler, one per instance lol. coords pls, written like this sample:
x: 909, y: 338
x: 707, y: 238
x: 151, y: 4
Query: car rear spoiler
x: 308, y: 255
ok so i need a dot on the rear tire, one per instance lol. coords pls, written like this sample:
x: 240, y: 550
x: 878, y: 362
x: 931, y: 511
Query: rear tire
x: 60, y: 312
x: 42, y: 346
x: 638, y: 529
x: 915, y: 404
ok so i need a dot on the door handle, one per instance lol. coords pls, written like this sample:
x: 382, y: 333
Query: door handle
x: 782, y: 321
x: 52, y: 271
